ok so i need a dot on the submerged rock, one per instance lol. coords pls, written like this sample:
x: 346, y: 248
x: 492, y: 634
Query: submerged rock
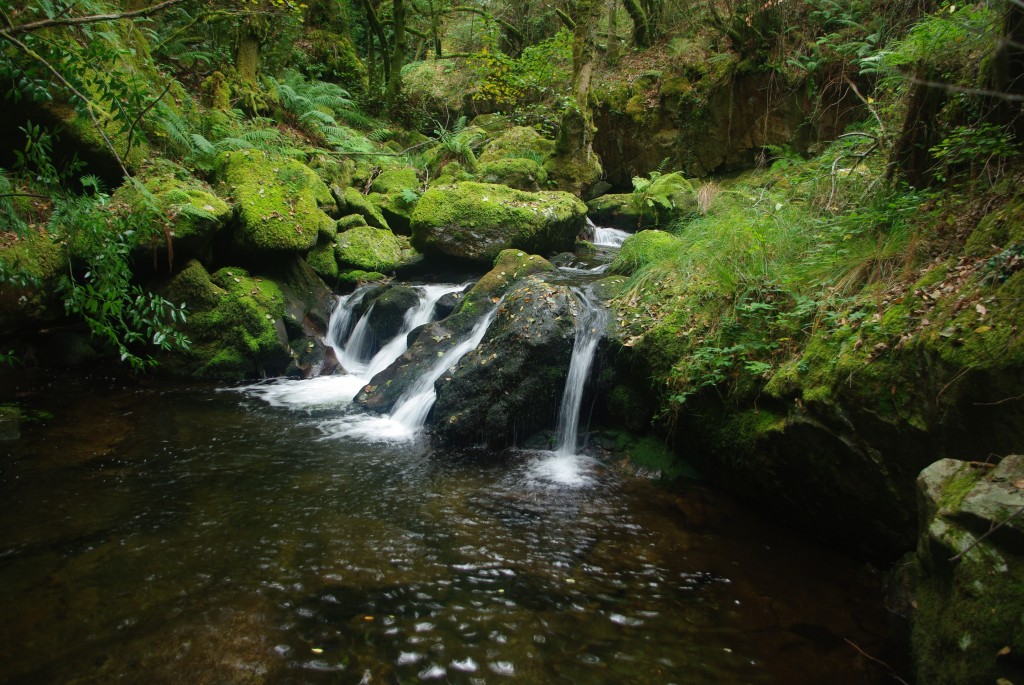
x: 511, y: 385
x: 967, y: 625
x: 478, y: 220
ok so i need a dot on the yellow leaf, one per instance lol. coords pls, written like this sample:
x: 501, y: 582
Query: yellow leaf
x: 982, y: 329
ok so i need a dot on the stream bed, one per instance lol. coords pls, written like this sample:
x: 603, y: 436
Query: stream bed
x: 155, y: 532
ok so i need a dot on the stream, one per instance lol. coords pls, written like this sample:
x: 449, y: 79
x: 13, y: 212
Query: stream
x: 167, y: 532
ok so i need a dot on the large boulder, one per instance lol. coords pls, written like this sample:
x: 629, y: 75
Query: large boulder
x: 511, y: 385
x: 243, y: 326
x: 518, y: 141
x: 280, y: 202
x: 31, y: 299
x: 617, y: 210
x: 515, y: 172
x: 437, y: 338
x: 476, y: 221
x: 969, y: 596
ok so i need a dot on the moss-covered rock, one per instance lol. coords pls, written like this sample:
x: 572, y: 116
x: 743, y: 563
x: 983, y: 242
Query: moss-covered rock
x: 478, y: 220
x: 195, y: 214
x: 396, y: 209
x: 31, y: 299
x: 279, y: 201
x: 336, y: 59
x: 517, y: 172
x: 236, y: 325
x: 368, y: 248
x: 395, y: 181
x: 616, y: 210
x: 969, y: 592
x: 351, y: 201
x: 322, y: 260
x: 518, y: 141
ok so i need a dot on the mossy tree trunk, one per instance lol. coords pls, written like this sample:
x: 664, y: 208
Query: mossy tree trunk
x: 911, y: 156
x: 247, y: 55
x: 399, y: 48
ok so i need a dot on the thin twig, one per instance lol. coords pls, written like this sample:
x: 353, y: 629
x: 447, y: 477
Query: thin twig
x: 44, y: 197
x: 991, y: 530
x: 79, y: 21
x: 877, y: 661
x: 867, y: 104
x: 131, y: 129
x: 1003, y: 401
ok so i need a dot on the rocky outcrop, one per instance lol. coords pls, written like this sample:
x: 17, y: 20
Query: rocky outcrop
x: 511, y: 385
x: 969, y: 590
x: 476, y: 221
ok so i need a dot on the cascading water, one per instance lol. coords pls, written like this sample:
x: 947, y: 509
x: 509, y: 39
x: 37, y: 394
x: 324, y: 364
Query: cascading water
x: 589, y: 329
x: 351, y: 344
x: 607, y: 237
x: 409, y: 414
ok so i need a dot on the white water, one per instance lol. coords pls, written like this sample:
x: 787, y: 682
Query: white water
x: 351, y: 348
x: 607, y: 237
x: 589, y: 329
x: 409, y: 414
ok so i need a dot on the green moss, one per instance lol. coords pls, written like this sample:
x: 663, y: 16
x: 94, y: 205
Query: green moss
x: 278, y: 199
x: 194, y: 211
x: 357, y: 277
x: 396, y: 180
x: 519, y: 141
x: 368, y: 248
x: 351, y: 201
x: 322, y: 260
x: 350, y: 221
x: 521, y: 173
x: 236, y: 325
x: 742, y: 431
x: 34, y: 254
x: 336, y: 59
x: 957, y: 488
x: 478, y: 220
x: 996, y: 230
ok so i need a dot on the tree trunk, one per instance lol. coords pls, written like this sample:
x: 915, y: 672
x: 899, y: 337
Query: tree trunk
x: 641, y: 36
x: 399, y: 47
x: 911, y: 155
x: 247, y: 56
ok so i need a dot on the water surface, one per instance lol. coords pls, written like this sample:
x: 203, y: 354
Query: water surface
x: 159, y: 533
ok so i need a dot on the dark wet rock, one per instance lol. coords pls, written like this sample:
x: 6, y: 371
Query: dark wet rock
x: 969, y: 585
x: 10, y: 423
x: 437, y: 338
x: 446, y: 305
x: 390, y: 306
x: 511, y: 385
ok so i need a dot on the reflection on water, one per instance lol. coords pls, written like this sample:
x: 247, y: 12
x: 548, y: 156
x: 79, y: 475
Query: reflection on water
x: 185, y: 535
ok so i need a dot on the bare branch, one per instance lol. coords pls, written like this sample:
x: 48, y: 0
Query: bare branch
x: 91, y: 19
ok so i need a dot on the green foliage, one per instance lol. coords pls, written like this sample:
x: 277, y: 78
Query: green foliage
x: 222, y: 132
x: 949, y: 42
x: 984, y: 147
x: 98, y: 287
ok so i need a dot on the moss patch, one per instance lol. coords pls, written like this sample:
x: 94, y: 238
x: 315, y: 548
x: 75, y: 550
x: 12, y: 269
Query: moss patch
x: 279, y: 201
x: 368, y: 249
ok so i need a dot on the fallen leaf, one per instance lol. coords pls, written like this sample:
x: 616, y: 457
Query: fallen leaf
x: 1019, y: 484
x: 982, y: 329
x: 1004, y: 651
x: 980, y: 308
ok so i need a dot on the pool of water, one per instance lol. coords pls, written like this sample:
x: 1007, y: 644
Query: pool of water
x: 161, y: 533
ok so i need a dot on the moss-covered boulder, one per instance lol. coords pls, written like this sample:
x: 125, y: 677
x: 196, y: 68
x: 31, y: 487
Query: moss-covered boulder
x: 518, y: 141
x: 36, y: 261
x: 351, y: 201
x: 396, y: 208
x: 516, y: 172
x: 368, y: 248
x: 511, y: 385
x: 437, y: 338
x: 280, y: 202
x: 478, y: 220
x: 191, y: 208
x: 236, y: 325
x: 617, y: 210
x: 395, y: 181
x: 969, y: 591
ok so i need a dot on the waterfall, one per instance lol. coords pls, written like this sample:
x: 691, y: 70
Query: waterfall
x: 589, y: 329
x: 351, y: 341
x: 354, y: 354
x: 609, y: 237
x: 410, y: 412
x: 413, y: 406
